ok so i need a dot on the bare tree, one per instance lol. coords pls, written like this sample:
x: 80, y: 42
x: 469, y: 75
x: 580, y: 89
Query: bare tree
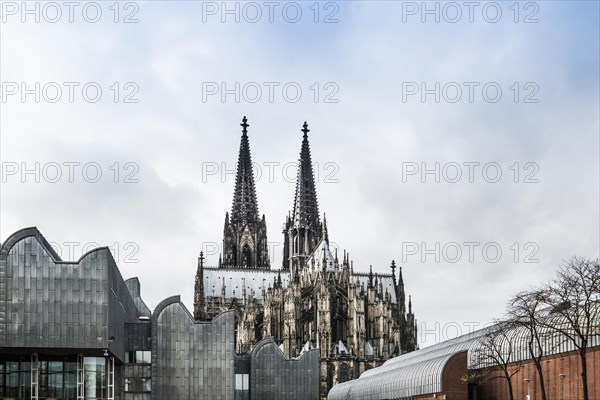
x: 497, y: 349
x: 525, y: 309
x: 574, y: 296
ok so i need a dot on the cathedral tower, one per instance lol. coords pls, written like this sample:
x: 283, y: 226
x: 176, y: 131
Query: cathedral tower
x: 245, y: 232
x: 357, y: 320
x: 303, y: 228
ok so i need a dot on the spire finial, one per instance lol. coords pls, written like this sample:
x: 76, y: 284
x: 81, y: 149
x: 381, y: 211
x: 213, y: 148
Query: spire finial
x: 305, y: 129
x: 409, y: 304
x: 244, y: 125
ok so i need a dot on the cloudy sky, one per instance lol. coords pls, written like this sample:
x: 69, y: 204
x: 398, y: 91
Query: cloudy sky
x: 460, y: 140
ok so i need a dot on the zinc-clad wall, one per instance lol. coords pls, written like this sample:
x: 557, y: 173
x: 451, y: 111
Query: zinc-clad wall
x: 121, y: 307
x: 191, y: 360
x: 274, y: 377
x: 48, y: 303
x: 134, y: 288
x: 134, y: 371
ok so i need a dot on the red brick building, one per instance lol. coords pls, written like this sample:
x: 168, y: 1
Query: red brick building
x: 561, y: 379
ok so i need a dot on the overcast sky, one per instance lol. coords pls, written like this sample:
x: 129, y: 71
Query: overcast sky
x: 499, y: 102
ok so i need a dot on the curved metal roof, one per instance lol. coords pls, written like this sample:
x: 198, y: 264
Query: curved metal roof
x: 514, y: 344
x: 411, y: 374
x: 420, y: 372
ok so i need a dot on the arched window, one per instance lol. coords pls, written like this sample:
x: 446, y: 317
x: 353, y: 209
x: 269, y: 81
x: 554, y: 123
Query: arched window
x: 331, y: 372
x: 344, y: 373
x: 296, y: 244
x: 233, y: 253
x: 246, y: 256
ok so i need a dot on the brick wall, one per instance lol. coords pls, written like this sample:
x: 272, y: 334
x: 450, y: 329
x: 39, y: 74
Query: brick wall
x: 557, y: 388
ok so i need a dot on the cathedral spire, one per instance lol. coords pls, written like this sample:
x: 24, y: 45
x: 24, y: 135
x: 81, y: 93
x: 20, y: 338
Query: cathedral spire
x: 245, y: 232
x: 306, y: 209
x: 303, y: 230
x: 245, y: 206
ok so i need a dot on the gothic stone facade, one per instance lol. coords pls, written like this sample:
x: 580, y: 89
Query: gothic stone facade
x: 315, y: 300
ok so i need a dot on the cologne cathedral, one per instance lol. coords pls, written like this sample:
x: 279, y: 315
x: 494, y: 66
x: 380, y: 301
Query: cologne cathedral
x: 316, y: 299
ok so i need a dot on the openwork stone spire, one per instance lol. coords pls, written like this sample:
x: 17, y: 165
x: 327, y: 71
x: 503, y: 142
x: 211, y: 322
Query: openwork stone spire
x: 306, y: 208
x: 245, y: 206
x: 303, y: 228
x: 245, y: 232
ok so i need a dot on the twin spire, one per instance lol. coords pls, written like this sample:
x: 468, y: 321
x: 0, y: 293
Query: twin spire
x: 306, y: 208
x: 245, y: 234
x: 245, y: 205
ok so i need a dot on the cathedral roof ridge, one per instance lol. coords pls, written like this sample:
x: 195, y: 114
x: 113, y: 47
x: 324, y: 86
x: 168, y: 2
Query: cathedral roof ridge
x: 246, y: 269
x: 379, y: 274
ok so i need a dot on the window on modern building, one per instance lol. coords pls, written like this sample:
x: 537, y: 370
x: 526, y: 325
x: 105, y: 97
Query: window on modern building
x: 138, y: 385
x: 242, y: 385
x: 138, y: 357
x: 143, y: 357
x: 95, y: 378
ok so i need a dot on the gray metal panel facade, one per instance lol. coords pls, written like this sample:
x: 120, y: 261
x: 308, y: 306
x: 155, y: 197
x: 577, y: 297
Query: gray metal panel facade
x: 191, y: 360
x: 134, y: 287
x: 55, y: 307
x: 49, y: 303
x: 138, y: 336
x: 138, y: 371
x: 274, y: 377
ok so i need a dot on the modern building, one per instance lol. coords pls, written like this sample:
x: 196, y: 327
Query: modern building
x: 77, y: 330
x: 316, y: 300
x: 463, y: 369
